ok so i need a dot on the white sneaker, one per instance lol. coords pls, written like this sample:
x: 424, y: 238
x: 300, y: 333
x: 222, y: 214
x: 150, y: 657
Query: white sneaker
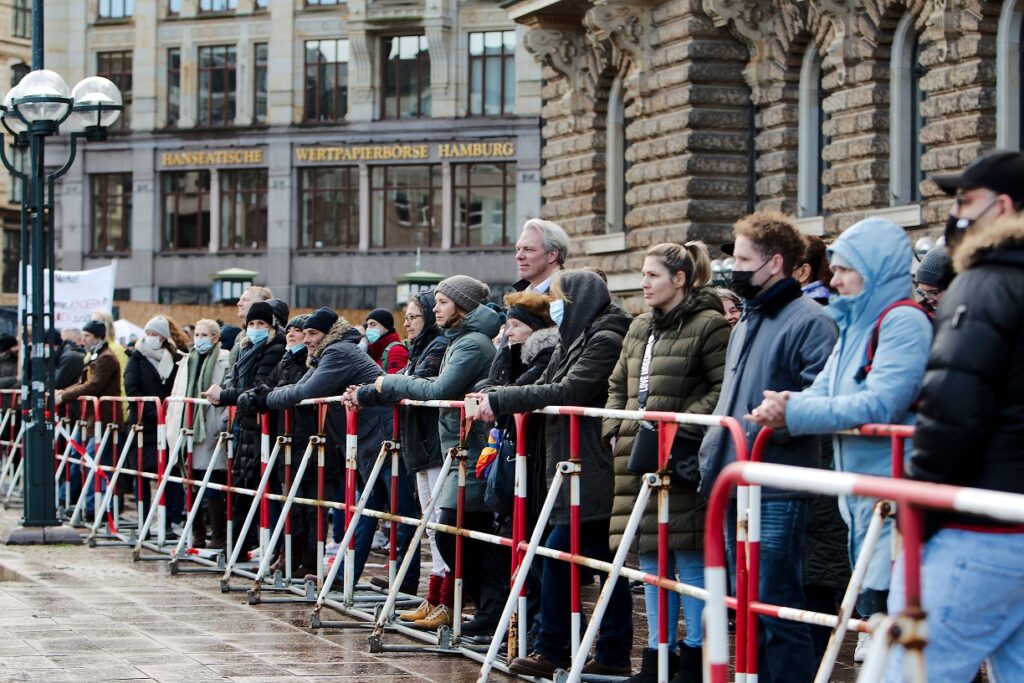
x: 380, y: 541
x: 331, y: 548
x: 863, y: 646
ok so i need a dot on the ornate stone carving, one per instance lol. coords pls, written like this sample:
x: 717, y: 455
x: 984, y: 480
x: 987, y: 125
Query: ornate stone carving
x: 566, y: 50
x: 847, y: 44
x: 621, y: 33
x: 360, y: 86
x: 767, y: 28
x: 945, y: 23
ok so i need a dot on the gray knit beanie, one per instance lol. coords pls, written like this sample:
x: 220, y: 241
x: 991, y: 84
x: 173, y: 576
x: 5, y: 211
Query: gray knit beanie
x: 465, y: 292
x: 936, y: 269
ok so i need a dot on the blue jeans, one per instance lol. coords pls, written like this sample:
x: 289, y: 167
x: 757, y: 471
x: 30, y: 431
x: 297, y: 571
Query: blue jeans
x: 616, y: 638
x: 972, y: 589
x: 688, y: 567
x: 786, y: 651
x: 380, y: 499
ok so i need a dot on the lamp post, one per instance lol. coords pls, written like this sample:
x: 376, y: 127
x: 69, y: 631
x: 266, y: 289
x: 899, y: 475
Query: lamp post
x: 38, y: 108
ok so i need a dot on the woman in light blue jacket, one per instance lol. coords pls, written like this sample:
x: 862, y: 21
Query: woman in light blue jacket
x: 871, y: 271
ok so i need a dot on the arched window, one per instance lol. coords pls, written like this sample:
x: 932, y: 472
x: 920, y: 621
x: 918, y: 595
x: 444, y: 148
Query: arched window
x: 615, y: 159
x: 811, y: 139
x: 1009, y: 69
x: 905, y: 120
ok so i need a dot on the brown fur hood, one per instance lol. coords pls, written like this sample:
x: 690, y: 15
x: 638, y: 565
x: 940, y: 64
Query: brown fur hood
x: 337, y: 333
x: 1006, y: 232
x: 545, y: 338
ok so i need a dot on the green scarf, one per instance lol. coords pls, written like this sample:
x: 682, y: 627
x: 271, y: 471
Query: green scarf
x: 200, y: 376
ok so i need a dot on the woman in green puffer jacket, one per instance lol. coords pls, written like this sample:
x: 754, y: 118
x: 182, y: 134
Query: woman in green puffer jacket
x: 673, y: 359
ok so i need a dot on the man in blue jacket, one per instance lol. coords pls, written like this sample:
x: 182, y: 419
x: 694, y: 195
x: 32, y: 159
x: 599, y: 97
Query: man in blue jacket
x: 781, y: 343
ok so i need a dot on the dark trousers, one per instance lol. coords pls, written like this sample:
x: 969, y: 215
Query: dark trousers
x: 616, y: 638
x: 786, y: 650
x: 380, y: 499
x: 485, y: 566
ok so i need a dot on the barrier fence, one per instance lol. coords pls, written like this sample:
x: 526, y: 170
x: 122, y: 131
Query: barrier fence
x: 369, y: 607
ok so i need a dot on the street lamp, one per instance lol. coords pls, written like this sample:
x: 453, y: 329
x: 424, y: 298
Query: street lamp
x: 37, y: 108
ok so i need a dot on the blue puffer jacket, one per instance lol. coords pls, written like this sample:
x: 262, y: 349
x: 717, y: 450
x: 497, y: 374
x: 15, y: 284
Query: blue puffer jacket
x: 880, y: 252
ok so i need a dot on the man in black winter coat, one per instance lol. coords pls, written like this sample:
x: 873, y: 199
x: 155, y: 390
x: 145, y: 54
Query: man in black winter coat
x: 970, y: 432
x: 335, y: 363
x: 68, y: 358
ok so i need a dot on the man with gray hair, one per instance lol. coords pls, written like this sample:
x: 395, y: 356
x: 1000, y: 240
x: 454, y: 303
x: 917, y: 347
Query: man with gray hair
x: 541, y: 251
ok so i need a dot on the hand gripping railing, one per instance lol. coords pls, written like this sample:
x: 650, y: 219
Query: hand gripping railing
x: 906, y: 628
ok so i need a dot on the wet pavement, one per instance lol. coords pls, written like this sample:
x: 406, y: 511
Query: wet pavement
x: 73, y: 613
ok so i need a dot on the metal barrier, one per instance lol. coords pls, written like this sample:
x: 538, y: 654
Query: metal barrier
x: 12, y: 468
x: 906, y: 628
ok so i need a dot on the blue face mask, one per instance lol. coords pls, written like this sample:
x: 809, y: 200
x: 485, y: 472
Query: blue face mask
x: 203, y: 345
x: 373, y: 334
x: 557, y: 309
x: 296, y: 348
x: 257, y: 336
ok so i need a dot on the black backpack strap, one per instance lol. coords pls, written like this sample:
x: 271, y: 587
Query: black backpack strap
x: 865, y: 369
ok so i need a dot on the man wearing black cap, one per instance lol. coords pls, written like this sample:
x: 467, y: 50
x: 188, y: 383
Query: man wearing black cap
x: 969, y: 433
x: 990, y: 188
x: 336, y: 363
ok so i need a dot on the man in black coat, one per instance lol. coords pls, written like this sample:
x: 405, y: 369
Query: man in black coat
x: 335, y: 363
x: 68, y: 359
x: 970, y: 432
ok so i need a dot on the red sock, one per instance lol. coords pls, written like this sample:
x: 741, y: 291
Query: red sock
x: 434, y: 589
x: 448, y: 590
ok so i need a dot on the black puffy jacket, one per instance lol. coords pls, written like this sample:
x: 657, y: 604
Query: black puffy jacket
x: 970, y: 426
x: 304, y: 425
x: 142, y: 379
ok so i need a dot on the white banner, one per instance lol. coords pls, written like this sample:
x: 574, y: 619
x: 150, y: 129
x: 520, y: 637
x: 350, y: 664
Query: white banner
x: 76, y: 294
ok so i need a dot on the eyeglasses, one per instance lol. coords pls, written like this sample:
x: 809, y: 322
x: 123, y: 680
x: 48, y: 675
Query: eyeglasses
x: 412, y: 316
x: 930, y: 297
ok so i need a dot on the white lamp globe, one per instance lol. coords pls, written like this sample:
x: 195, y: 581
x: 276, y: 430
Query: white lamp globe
x: 42, y: 83
x: 11, y: 120
x: 94, y: 90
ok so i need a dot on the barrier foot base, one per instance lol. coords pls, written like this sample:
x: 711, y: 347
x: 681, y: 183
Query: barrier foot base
x: 39, y: 535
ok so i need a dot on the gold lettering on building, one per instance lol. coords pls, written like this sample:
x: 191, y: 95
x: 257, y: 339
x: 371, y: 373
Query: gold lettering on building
x: 215, y: 157
x: 406, y: 152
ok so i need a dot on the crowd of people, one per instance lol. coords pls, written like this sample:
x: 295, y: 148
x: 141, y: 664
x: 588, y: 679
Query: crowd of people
x: 810, y: 339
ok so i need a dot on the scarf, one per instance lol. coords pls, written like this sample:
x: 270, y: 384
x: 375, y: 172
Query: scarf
x: 161, y: 360
x: 200, y: 376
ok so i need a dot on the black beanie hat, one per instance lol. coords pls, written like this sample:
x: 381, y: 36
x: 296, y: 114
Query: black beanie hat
x: 384, y: 317
x: 281, y: 311
x: 7, y: 342
x: 260, y: 310
x: 322, y: 319
x: 96, y: 329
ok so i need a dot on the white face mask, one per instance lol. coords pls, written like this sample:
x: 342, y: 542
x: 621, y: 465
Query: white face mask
x: 557, y: 309
x: 153, y: 343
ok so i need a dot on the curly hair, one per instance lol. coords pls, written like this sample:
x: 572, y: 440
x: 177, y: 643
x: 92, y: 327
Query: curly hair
x: 773, y: 232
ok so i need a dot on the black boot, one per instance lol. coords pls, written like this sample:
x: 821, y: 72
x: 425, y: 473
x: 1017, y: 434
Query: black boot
x: 691, y: 665
x: 649, y: 667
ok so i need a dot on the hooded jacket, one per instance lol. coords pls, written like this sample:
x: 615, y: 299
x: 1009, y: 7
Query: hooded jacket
x: 289, y: 371
x: 686, y: 377
x: 336, y: 364
x: 880, y: 252
x: 421, y: 445
x: 781, y: 343
x: 970, y: 425
x: 590, y: 341
x: 465, y: 363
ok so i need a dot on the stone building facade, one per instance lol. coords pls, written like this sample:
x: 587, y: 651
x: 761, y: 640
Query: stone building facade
x: 670, y: 119
x: 317, y: 142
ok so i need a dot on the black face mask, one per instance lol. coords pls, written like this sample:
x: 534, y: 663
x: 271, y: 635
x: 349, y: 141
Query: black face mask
x: 743, y: 282
x: 956, y: 228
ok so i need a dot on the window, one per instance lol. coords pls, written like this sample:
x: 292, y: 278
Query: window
x: 492, y: 73
x: 116, y: 9
x: 262, y: 4
x: 186, y: 210
x: 21, y: 19
x: 326, y: 80
x: 217, y: 85
x: 15, y: 185
x: 174, y: 6
x: 217, y: 5
x: 485, y: 205
x: 259, y: 105
x: 615, y: 159
x: 811, y: 140
x: 405, y: 206
x: 406, y: 77
x: 905, y: 119
x: 329, y: 208
x: 243, y: 209
x: 111, y: 212
x: 117, y: 66
x: 195, y: 296
x: 173, y: 86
